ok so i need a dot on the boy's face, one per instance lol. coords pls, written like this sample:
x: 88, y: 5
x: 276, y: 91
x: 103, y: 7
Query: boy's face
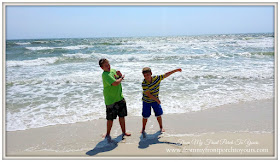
x: 148, y: 76
x: 106, y: 66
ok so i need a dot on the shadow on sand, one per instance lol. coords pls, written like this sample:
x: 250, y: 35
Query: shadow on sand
x: 150, y: 139
x: 105, y: 146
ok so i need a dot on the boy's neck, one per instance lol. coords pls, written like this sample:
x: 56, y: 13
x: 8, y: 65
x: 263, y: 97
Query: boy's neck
x: 150, y: 80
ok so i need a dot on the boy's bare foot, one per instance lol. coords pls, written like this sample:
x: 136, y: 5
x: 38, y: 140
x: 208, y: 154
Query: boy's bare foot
x: 108, y: 137
x: 143, y: 133
x: 162, y: 130
x: 104, y: 135
x: 126, y: 134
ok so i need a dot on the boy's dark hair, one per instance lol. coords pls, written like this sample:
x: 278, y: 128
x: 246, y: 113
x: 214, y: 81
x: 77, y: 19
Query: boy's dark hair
x: 146, y: 70
x: 101, y: 61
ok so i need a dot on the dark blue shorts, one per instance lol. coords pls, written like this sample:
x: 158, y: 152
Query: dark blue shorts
x: 146, y: 111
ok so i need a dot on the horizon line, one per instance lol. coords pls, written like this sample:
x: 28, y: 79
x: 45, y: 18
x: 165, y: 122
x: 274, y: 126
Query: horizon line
x: 138, y: 36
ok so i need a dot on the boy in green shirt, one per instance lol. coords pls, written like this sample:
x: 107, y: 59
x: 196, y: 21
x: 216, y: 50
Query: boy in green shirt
x: 114, y: 100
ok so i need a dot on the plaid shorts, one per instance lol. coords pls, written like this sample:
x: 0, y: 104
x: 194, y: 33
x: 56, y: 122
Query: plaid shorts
x: 116, y: 109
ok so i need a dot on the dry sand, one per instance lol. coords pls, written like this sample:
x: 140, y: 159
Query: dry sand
x: 235, y: 130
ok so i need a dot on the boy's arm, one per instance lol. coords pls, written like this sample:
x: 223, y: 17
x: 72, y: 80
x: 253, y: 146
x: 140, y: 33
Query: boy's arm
x: 118, y: 81
x: 152, y: 97
x: 171, y: 72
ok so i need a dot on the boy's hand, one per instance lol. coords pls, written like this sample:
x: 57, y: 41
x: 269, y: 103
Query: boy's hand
x: 158, y: 101
x: 119, y: 73
x: 180, y: 70
x: 118, y: 81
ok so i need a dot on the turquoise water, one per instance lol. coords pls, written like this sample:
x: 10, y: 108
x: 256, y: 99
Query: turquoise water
x: 58, y: 81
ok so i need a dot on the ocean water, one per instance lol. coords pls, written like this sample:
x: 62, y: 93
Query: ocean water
x: 58, y: 81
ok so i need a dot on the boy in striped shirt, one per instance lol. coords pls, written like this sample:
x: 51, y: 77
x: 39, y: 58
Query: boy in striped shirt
x: 150, y: 97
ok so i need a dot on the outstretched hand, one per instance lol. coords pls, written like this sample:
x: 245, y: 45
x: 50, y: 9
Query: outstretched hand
x: 180, y: 70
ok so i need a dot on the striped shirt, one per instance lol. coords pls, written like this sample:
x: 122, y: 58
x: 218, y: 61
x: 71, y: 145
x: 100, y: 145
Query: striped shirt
x: 153, y: 87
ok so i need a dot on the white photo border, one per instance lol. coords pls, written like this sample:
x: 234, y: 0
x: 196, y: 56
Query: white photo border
x: 6, y: 3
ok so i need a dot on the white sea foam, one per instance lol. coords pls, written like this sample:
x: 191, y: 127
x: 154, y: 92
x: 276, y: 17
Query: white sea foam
x: 77, y: 55
x: 36, y: 62
x: 121, y: 58
x: 76, y: 47
x: 150, y: 57
x: 51, y: 48
x: 53, y: 103
x: 48, y: 60
x: 40, y: 42
x: 257, y: 43
x: 39, y: 48
x: 23, y: 43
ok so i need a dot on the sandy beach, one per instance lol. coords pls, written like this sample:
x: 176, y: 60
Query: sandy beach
x: 236, y: 130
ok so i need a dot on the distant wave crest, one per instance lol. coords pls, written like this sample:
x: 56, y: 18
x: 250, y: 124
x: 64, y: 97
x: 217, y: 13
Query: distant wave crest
x: 52, y: 48
x: 50, y: 60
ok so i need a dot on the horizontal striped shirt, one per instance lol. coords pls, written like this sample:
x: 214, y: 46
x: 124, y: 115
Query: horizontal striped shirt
x: 152, y: 87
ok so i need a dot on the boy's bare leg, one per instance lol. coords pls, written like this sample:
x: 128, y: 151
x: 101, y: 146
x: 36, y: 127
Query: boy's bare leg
x: 109, y: 127
x: 107, y: 135
x: 159, y: 119
x: 144, y: 125
x: 122, y: 124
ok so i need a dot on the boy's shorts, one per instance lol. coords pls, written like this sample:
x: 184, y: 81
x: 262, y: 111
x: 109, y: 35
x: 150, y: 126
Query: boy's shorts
x: 117, y: 109
x: 146, y: 112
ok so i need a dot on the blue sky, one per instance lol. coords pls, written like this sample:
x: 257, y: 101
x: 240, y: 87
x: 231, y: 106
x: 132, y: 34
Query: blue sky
x: 31, y: 22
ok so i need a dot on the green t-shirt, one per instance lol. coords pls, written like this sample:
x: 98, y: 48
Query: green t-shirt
x: 111, y: 93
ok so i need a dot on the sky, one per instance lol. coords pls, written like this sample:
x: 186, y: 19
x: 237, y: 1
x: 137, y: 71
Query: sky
x: 38, y: 22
